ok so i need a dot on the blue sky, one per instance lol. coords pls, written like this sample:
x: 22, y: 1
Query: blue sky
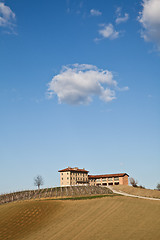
x: 79, y: 86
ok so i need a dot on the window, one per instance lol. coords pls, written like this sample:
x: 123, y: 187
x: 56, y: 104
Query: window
x: 116, y: 179
x: 98, y: 180
x: 110, y: 183
x: 67, y: 177
x: 62, y: 178
x: 67, y: 173
x: 62, y: 173
x: 110, y: 179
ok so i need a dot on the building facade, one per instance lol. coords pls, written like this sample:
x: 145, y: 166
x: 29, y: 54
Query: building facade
x: 108, y: 179
x: 75, y: 176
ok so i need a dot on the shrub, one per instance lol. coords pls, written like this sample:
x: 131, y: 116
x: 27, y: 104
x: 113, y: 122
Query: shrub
x: 133, y: 182
x: 158, y: 186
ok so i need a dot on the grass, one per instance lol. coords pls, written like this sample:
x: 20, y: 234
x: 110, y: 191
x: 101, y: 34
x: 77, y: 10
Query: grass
x: 108, y: 218
x: 84, y: 197
x: 138, y: 191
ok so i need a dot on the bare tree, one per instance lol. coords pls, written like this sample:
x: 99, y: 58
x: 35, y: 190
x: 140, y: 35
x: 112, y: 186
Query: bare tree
x: 38, y: 181
x: 133, y: 182
x: 158, y: 186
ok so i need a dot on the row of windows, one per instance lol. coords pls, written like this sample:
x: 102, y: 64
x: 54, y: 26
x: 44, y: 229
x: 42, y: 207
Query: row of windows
x: 105, y: 179
x: 73, y: 178
x: 110, y: 183
x: 78, y: 178
x: 67, y: 178
x: 82, y: 174
x: 97, y: 180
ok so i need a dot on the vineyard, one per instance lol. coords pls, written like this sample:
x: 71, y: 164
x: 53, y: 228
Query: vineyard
x: 57, y: 192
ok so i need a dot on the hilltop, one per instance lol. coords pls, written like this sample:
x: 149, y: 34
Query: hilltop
x: 57, y: 192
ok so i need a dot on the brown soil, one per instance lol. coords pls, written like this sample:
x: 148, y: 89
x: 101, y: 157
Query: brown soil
x: 138, y: 191
x: 106, y: 218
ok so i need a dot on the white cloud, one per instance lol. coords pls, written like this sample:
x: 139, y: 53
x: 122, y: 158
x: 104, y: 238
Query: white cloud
x: 79, y: 83
x: 95, y: 12
x: 108, y: 31
x: 149, y: 17
x: 122, y: 19
x: 7, y: 16
x: 119, y: 18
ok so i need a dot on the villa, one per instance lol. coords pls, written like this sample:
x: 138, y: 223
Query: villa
x: 76, y: 176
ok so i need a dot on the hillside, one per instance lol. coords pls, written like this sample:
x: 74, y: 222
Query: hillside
x: 57, y: 192
x: 138, y: 191
x: 108, y: 218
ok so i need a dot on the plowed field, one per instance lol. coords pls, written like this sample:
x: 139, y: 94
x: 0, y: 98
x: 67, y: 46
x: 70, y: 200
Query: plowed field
x: 106, y: 218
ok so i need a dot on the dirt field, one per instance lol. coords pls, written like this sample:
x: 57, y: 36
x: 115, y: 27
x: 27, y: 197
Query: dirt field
x: 100, y: 219
x: 138, y: 191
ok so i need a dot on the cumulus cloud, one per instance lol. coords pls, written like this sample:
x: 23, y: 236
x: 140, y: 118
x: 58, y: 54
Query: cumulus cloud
x: 122, y: 19
x: 7, y: 16
x: 95, y: 12
x: 108, y: 31
x: 79, y: 83
x: 149, y: 17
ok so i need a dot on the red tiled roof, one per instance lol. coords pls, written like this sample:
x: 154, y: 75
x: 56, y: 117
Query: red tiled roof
x: 69, y: 169
x: 108, y: 175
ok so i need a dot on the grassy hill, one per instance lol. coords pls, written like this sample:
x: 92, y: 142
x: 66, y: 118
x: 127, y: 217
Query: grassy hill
x: 138, y: 191
x: 108, y: 218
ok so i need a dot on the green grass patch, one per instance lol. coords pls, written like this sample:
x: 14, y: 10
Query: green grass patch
x: 84, y: 197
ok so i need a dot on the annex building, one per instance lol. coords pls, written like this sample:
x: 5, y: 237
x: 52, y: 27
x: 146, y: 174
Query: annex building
x: 76, y: 176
